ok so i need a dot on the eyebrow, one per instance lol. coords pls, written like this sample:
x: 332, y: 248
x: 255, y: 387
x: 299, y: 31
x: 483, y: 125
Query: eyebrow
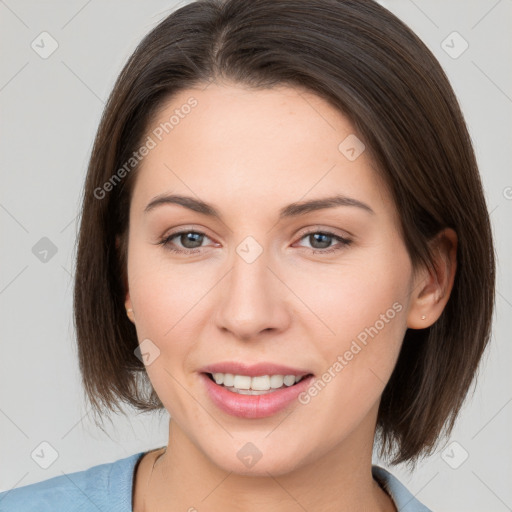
x: 291, y: 210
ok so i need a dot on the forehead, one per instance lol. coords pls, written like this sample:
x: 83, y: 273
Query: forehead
x: 273, y: 144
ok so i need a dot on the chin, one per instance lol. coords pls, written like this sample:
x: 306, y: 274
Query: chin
x: 248, y: 458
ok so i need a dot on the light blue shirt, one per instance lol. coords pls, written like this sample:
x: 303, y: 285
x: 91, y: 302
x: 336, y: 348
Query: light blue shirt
x: 108, y: 488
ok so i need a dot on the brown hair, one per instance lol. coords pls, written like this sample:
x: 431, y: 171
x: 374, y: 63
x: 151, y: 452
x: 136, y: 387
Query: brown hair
x: 377, y: 72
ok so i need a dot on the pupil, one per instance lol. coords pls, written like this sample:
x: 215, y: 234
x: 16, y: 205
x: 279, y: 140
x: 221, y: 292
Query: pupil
x: 192, y: 238
x: 323, y: 244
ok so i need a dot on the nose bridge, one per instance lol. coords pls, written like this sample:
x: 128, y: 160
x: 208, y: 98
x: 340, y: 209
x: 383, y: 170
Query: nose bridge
x: 250, y: 269
x: 251, y: 301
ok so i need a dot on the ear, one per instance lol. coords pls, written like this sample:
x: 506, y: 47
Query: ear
x: 127, y: 302
x: 432, y: 288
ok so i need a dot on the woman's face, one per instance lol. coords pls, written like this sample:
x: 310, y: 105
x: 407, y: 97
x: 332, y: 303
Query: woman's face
x: 265, y: 283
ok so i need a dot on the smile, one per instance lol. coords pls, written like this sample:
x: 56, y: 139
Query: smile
x: 258, y: 385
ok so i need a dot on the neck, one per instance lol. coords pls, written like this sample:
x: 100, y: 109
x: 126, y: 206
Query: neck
x: 182, y: 477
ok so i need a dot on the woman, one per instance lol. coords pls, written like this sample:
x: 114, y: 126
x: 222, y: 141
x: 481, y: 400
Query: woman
x: 284, y: 243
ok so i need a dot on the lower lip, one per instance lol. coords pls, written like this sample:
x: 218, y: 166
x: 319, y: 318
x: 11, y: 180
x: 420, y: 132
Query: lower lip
x: 254, y: 406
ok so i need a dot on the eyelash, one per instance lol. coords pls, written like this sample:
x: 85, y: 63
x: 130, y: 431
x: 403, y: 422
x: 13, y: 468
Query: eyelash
x: 345, y: 242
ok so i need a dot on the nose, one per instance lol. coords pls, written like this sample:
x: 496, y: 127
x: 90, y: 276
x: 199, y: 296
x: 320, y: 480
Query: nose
x: 253, y: 300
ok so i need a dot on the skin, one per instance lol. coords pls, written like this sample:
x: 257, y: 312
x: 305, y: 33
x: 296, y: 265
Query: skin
x: 250, y: 153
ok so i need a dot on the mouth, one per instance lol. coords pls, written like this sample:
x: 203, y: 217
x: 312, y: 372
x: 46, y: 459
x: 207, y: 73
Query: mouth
x: 258, y: 395
x: 256, y: 385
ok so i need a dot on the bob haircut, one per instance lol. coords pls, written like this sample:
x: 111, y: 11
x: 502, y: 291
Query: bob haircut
x: 370, y: 66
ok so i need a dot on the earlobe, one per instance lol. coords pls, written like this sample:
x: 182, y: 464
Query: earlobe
x: 432, y: 289
x: 129, y: 309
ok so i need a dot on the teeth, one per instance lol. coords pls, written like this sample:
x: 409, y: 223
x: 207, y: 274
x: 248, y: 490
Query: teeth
x: 229, y: 379
x: 289, y: 380
x: 261, y: 383
x: 246, y: 385
x: 276, y: 381
x: 242, y: 382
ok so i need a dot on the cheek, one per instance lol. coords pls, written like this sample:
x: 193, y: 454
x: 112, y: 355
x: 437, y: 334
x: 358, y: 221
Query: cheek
x: 165, y: 296
x: 363, y: 297
x: 167, y: 309
x: 378, y: 322
x: 364, y: 307
x: 172, y: 307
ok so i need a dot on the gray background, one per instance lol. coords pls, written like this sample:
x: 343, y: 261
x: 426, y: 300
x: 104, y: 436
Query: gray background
x: 50, y: 111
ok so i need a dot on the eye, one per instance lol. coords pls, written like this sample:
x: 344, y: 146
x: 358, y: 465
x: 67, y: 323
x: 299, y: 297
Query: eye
x: 321, y: 241
x: 191, y: 241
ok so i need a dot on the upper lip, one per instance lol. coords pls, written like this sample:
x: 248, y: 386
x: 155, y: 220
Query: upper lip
x: 253, y: 370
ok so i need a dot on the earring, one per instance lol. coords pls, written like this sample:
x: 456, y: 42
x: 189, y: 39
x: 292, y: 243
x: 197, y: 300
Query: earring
x: 423, y: 317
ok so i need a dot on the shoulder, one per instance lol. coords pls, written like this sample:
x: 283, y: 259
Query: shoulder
x: 106, y: 485
x: 403, y: 499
